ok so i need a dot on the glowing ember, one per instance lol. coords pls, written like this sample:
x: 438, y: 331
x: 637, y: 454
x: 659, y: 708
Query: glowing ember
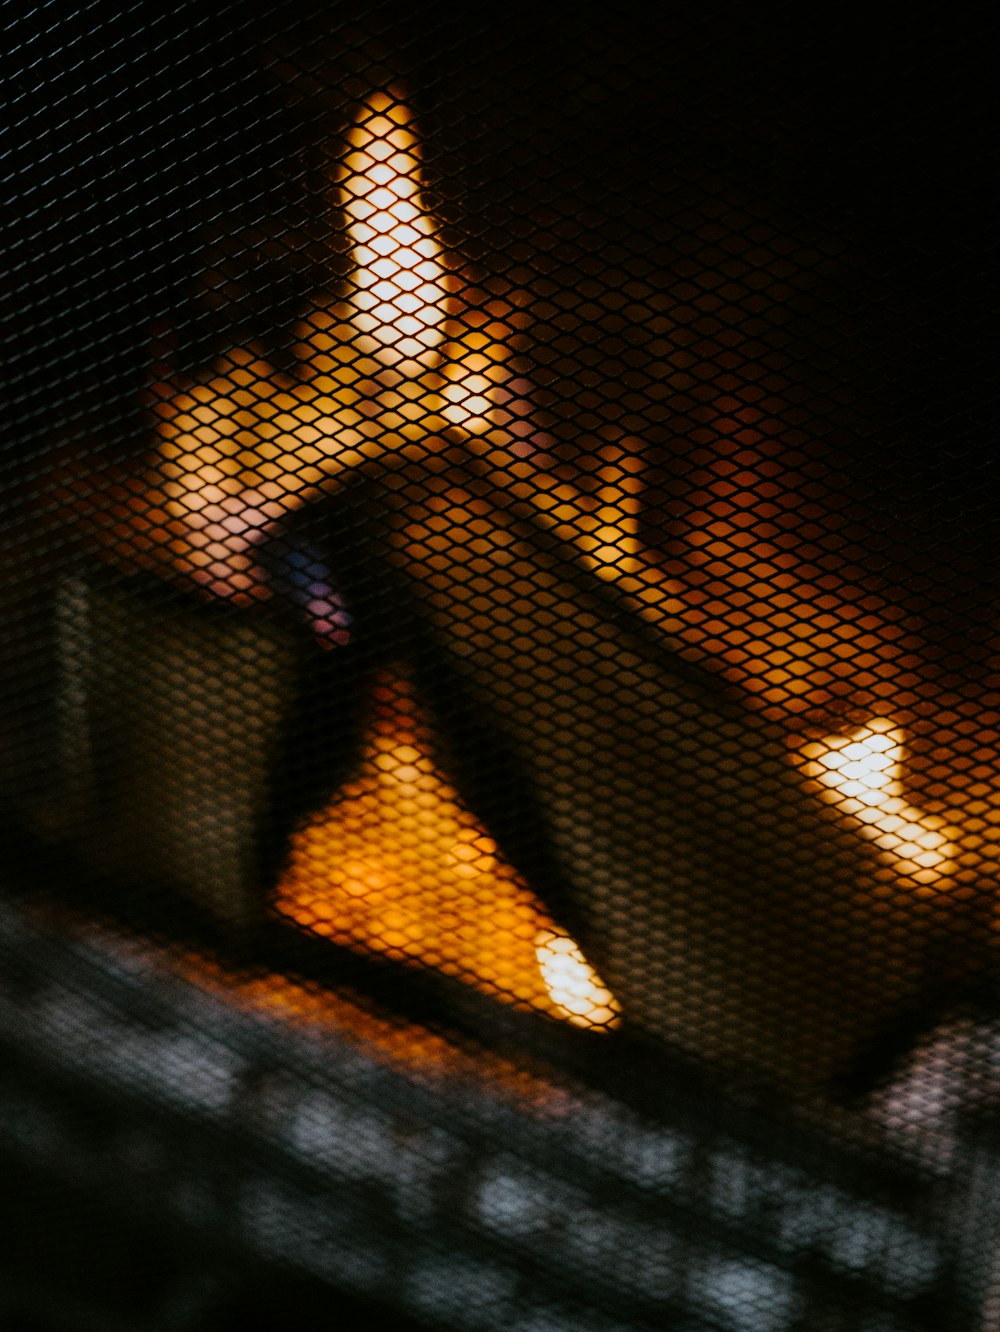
x: 861, y: 773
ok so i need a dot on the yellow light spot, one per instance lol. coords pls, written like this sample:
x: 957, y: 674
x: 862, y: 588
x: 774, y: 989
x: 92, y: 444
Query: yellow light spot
x: 573, y: 983
x: 861, y: 773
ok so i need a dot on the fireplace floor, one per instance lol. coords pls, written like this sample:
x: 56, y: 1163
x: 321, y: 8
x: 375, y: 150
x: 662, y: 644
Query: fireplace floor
x: 279, y: 1133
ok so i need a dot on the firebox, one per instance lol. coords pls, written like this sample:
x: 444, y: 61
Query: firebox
x: 500, y: 751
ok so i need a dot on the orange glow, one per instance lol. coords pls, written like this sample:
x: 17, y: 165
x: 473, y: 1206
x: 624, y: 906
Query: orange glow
x: 474, y: 371
x: 395, y: 865
x: 607, y: 526
x: 862, y: 774
x: 401, y: 363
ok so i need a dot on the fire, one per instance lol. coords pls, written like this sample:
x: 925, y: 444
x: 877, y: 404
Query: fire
x: 861, y: 773
x: 398, y: 298
x: 574, y: 985
x: 396, y: 865
x: 403, y: 359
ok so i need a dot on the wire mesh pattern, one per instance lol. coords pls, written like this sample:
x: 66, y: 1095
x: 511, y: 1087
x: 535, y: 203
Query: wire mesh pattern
x: 499, y: 574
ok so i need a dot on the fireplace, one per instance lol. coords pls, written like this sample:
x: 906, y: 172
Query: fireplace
x: 500, y: 751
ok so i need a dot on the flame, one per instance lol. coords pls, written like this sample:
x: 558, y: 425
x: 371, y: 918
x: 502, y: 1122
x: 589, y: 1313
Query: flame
x: 402, y: 360
x: 399, y: 303
x: 861, y: 773
x: 574, y: 985
x: 474, y: 370
x: 398, y: 296
x: 396, y: 865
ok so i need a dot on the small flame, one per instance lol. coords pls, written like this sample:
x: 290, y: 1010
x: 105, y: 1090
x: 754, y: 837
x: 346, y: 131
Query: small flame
x: 865, y: 766
x: 862, y: 774
x: 399, y: 297
x: 575, y: 987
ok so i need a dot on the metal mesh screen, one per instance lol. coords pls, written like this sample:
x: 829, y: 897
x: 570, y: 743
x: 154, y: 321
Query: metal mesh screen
x: 499, y: 741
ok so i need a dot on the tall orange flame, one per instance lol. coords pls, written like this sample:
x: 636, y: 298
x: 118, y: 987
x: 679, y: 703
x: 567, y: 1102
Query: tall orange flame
x: 398, y: 294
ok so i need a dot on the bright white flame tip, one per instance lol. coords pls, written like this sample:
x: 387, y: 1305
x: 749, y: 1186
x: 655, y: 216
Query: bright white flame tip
x: 862, y: 774
x: 399, y: 280
x: 574, y: 986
